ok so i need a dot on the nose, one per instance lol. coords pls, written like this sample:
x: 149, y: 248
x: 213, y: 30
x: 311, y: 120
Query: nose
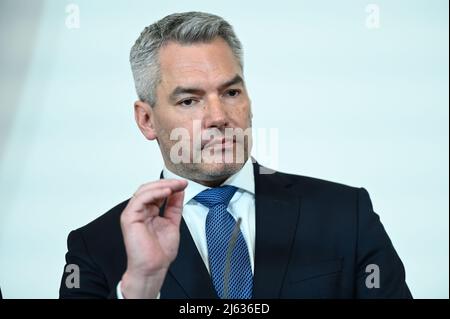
x: 215, y: 114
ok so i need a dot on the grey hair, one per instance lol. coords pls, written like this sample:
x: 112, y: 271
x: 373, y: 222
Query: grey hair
x: 184, y: 28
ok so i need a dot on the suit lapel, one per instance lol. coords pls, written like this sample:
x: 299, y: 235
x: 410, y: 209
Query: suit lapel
x: 277, y: 215
x: 189, y: 270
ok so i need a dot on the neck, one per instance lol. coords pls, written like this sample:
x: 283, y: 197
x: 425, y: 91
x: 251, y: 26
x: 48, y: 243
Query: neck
x: 214, y: 183
x: 214, y: 179
x: 217, y: 181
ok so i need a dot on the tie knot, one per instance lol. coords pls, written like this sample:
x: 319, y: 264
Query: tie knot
x: 215, y: 196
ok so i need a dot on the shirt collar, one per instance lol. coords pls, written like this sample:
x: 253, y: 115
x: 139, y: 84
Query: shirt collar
x: 243, y: 180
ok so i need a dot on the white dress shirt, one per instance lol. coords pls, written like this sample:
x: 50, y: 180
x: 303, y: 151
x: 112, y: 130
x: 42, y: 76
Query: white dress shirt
x: 242, y: 205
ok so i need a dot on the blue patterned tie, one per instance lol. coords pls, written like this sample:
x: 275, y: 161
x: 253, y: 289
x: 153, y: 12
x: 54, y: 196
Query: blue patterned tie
x: 219, y: 228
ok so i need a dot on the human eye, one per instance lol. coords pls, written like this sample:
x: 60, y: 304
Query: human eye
x: 232, y: 92
x: 187, y: 102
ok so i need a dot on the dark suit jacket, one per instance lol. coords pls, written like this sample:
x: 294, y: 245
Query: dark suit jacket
x: 314, y: 239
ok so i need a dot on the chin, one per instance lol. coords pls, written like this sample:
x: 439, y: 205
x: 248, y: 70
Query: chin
x: 215, y: 170
x: 212, y: 168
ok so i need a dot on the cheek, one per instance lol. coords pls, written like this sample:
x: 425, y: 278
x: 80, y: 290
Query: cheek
x: 242, y: 114
x: 167, y: 122
x: 180, y: 128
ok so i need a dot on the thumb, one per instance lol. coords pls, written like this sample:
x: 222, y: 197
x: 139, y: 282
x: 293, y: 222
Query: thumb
x: 174, y: 207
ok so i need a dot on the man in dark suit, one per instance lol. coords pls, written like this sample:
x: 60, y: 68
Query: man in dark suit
x: 217, y: 224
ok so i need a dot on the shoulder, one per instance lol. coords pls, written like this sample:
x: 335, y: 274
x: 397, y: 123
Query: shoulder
x: 319, y: 199
x: 103, y: 233
x: 109, y: 219
x: 98, y: 249
x: 306, y: 186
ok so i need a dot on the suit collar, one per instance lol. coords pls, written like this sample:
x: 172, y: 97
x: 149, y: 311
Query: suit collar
x: 243, y: 179
x: 188, y: 269
x: 277, y: 215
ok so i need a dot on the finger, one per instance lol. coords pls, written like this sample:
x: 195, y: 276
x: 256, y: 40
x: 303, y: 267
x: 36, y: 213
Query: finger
x: 157, y: 183
x: 174, y: 186
x: 154, y: 197
x: 171, y: 183
x: 147, y: 203
x: 139, y: 208
x: 174, y: 207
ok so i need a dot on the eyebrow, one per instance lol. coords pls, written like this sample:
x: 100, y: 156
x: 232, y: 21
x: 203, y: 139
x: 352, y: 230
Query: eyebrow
x: 179, y: 90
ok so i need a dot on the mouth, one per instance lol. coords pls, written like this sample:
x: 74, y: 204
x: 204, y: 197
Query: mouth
x: 225, y: 142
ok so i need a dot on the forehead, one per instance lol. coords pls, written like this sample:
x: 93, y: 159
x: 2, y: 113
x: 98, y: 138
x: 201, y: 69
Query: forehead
x: 198, y: 63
